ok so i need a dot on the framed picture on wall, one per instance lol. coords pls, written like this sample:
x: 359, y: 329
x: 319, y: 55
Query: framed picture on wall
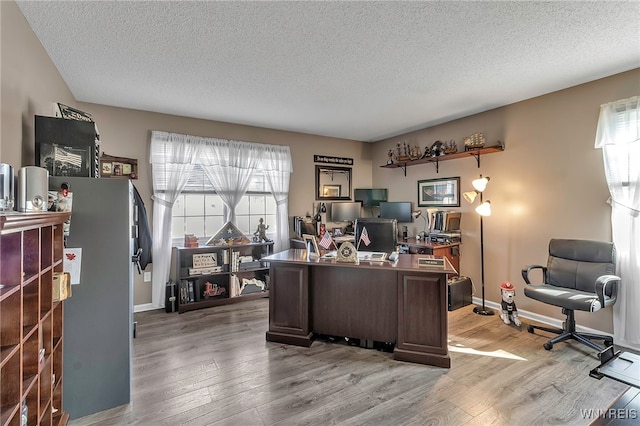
x: 444, y: 192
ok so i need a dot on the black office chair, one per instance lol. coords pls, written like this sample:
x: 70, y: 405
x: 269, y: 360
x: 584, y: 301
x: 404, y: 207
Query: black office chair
x: 578, y: 276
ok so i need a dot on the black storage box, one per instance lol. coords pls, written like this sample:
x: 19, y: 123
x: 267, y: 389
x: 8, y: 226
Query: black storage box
x: 459, y: 291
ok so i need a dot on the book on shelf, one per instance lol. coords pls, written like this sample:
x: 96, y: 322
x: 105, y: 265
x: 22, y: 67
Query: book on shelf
x: 234, y: 286
x: 191, y: 292
x: 197, y: 291
x: 187, y: 294
x: 204, y: 271
x: 250, y: 265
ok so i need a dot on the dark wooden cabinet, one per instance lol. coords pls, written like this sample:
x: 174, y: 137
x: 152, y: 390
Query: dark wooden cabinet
x: 216, y: 275
x: 398, y: 302
x: 421, y: 330
x: 31, y: 322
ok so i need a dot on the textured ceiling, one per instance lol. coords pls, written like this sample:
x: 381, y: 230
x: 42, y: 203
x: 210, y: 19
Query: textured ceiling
x: 356, y: 70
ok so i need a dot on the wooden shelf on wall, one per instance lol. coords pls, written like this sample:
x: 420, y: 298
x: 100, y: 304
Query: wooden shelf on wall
x: 118, y: 167
x: 476, y: 153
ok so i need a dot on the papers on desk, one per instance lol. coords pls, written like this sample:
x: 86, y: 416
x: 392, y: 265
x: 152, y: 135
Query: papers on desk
x: 373, y: 256
x: 345, y: 238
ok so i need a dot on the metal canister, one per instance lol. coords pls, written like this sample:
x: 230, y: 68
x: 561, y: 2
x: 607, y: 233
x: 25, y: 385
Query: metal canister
x: 6, y: 187
x: 33, y: 184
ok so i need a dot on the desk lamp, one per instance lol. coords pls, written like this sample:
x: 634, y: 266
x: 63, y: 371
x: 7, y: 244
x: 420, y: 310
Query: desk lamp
x: 422, y: 235
x: 484, y: 209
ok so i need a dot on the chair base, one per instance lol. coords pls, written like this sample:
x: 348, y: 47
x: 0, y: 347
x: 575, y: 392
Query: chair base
x: 569, y: 332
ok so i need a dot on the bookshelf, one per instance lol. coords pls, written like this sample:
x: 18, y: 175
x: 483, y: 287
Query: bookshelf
x: 209, y: 276
x: 31, y: 321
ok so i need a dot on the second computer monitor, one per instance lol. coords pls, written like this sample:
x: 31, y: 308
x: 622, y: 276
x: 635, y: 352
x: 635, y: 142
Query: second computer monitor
x: 381, y: 233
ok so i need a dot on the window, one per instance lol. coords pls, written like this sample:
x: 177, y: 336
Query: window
x: 199, y: 211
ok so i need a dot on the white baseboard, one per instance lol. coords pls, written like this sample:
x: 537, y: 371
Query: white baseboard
x: 553, y: 322
x: 144, y: 307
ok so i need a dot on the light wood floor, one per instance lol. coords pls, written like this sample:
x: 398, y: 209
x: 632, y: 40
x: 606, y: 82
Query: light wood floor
x: 214, y: 367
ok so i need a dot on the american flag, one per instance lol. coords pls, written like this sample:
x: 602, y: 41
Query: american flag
x: 326, y: 241
x: 364, y: 237
x: 67, y: 157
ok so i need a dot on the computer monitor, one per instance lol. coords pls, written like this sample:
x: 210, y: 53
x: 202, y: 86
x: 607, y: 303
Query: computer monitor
x: 399, y: 210
x: 383, y: 234
x: 370, y: 197
x: 345, y: 211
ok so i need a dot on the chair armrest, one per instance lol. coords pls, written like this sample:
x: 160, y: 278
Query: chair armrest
x: 602, y: 283
x: 525, y: 272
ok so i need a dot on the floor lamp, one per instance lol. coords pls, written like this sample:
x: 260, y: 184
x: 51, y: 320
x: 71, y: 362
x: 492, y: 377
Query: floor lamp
x: 484, y: 209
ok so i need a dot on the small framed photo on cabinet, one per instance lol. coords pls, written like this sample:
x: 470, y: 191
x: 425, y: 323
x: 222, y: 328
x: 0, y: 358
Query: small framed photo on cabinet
x: 311, y: 244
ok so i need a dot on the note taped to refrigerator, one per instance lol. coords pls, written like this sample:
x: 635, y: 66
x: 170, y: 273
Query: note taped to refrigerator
x: 71, y: 263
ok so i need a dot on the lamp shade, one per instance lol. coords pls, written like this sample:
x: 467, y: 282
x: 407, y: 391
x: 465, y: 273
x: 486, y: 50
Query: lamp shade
x: 480, y: 184
x: 484, y: 209
x: 470, y: 196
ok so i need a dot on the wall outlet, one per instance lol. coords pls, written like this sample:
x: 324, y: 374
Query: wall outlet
x: 147, y: 277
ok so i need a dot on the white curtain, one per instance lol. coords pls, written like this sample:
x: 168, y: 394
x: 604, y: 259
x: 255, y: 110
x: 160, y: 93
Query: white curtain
x: 277, y: 167
x: 172, y: 163
x: 618, y: 135
x: 229, y: 165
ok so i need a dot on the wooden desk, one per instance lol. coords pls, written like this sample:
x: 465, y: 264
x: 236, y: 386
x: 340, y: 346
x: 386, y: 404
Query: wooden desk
x: 451, y: 250
x: 391, y: 302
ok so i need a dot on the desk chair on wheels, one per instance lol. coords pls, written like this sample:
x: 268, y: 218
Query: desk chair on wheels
x: 579, y: 276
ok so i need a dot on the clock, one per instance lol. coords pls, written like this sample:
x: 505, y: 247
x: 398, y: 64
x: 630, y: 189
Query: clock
x: 347, y: 253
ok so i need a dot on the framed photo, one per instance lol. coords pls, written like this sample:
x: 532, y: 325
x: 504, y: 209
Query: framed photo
x: 118, y: 167
x: 337, y: 232
x: 332, y: 190
x: 311, y: 244
x: 444, y: 192
x: 107, y: 168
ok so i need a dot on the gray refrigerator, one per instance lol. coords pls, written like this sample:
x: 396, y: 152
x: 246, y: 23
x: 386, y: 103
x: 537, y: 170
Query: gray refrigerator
x: 98, y: 318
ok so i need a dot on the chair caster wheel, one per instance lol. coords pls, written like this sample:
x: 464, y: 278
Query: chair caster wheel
x: 548, y: 346
x: 608, y: 343
x: 530, y: 329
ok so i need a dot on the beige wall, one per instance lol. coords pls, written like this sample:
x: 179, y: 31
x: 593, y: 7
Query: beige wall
x: 126, y: 133
x: 549, y: 182
x: 30, y: 85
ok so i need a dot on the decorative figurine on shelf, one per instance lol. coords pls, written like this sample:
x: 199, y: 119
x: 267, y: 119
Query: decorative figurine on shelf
x: 509, y: 311
x: 260, y: 234
x: 402, y: 154
x: 390, y: 157
x: 450, y: 147
x: 474, y: 141
x: 427, y: 152
x: 436, y: 149
x: 415, y: 152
